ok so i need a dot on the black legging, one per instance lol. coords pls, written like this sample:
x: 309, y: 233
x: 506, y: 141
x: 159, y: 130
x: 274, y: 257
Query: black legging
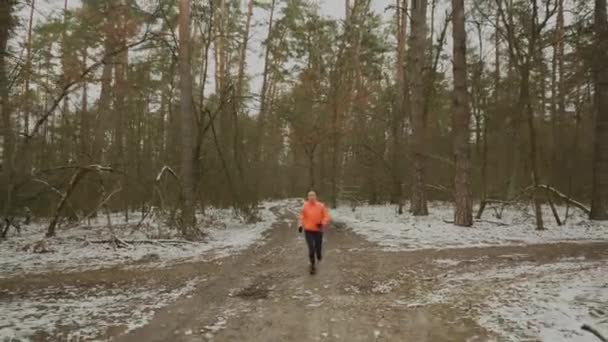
x: 314, y: 240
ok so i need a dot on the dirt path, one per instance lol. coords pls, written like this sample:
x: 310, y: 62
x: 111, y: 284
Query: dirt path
x: 360, y: 293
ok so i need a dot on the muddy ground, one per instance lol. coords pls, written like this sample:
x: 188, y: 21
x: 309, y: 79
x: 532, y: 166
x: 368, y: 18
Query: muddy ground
x: 360, y: 293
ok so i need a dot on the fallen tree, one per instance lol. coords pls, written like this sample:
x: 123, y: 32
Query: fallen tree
x: 80, y: 172
x: 528, y: 192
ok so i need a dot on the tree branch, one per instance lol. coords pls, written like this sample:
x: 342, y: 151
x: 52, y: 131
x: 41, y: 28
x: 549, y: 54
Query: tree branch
x: 66, y: 89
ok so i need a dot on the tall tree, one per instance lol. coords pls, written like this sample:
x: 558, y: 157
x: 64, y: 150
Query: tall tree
x: 104, y: 102
x: 6, y: 23
x: 258, y: 142
x: 463, y: 215
x: 599, y: 196
x: 187, y: 124
x: 399, y: 113
x: 419, y: 123
x: 28, y: 70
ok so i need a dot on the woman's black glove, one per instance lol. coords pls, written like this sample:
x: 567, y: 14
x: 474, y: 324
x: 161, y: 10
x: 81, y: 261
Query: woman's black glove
x: 299, y: 229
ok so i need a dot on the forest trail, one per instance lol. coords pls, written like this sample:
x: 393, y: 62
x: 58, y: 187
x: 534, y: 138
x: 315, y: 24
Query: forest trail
x: 359, y: 294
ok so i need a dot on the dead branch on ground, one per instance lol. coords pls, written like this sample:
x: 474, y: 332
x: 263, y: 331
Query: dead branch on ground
x: 141, y: 242
x: 595, y: 332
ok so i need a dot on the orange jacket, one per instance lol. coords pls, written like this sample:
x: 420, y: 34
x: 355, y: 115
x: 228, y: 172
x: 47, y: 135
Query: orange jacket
x: 313, y: 214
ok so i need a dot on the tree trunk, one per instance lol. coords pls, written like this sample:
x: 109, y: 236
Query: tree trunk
x: 399, y: 112
x: 84, y: 115
x: 527, y: 102
x: 28, y: 71
x: 187, y: 124
x: 121, y: 95
x: 6, y: 23
x: 419, y: 125
x: 463, y: 216
x: 243, y: 54
x: 76, y: 178
x: 260, y: 133
x: 599, y: 196
x: 557, y: 93
x: 237, y: 145
x: 104, y: 102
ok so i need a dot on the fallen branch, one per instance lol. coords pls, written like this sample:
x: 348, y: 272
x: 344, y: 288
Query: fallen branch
x: 554, y: 211
x: 92, y: 167
x: 565, y: 198
x: 169, y: 170
x: 73, y: 182
x: 594, y: 332
x: 101, y: 204
x: 486, y: 221
x: 57, y: 191
x: 119, y: 243
x: 141, y: 242
x: 81, y: 171
x: 493, y: 222
x: 439, y: 187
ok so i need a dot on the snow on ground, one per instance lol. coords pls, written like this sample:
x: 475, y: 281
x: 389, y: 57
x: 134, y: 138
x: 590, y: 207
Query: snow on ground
x: 86, y: 313
x: 382, y: 224
x: 226, y: 234
x: 539, y: 302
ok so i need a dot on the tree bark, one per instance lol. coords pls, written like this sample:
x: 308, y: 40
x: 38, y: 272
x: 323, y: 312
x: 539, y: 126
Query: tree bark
x: 76, y: 178
x: 599, y: 195
x: 417, y: 63
x: 527, y: 101
x: 104, y: 103
x: 6, y: 23
x: 557, y: 93
x: 399, y: 112
x: 187, y: 124
x: 28, y: 71
x: 84, y: 115
x: 260, y: 134
x: 463, y: 215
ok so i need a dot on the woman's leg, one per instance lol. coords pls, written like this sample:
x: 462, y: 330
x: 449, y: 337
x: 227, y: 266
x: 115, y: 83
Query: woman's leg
x: 319, y: 245
x: 310, y: 241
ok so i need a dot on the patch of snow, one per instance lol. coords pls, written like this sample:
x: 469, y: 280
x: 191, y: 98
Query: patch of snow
x: 384, y: 287
x: 550, y: 308
x: 447, y: 262
x: 311, y: 299
x: 546, y: 302
x: 382, y: 224
x: 220, y: 323
x: 87, y: 313
x: 226, y: 235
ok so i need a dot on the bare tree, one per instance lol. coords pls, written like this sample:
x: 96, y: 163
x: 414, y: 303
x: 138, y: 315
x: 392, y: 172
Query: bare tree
x: 599, y: 196
x: 419, y: 122
x: 187, y: 125
x: 104, y: 103
x: 400, y: 111
x: 524, y: 57
x: 6, y: 23
x: 463, y: 215
x: 258, y: 156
